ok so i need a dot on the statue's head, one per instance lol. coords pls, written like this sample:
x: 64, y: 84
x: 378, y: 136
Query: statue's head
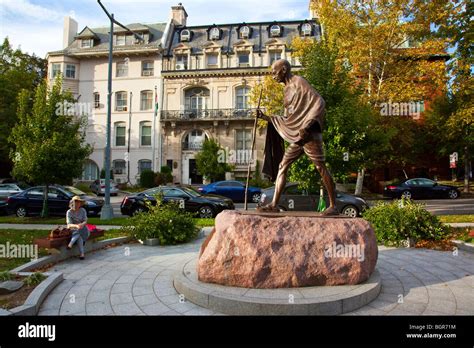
x: 281, y: 69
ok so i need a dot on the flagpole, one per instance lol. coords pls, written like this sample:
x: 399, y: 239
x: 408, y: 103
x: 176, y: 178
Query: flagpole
x: 153, y: 160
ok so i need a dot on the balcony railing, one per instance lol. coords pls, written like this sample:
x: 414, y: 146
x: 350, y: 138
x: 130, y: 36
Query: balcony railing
x: 210, y: 114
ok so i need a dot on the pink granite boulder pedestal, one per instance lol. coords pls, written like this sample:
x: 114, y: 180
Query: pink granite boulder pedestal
x: 288, y: 250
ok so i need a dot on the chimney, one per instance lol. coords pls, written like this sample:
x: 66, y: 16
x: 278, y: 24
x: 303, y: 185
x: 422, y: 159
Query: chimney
x: 179, y: 15
x: 70, y: 31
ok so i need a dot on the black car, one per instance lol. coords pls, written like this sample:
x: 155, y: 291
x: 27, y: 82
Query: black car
x: 205, y: 206
x: 30, y: 201
x: 421, y: 188
x: 297, y: 199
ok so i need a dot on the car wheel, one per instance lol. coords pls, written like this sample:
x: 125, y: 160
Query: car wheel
x: 138, y: 210
x: 350, y: 211
x: 21, y: 211
x: 406, y: 194
x: 453, y: 194
x: 206, y: 212
x: 256, y: 197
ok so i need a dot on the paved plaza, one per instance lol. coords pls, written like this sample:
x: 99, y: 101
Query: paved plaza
x: 133, y: 279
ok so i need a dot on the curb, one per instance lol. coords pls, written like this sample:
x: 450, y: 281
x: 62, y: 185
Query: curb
x: 468, y: 247
x: 35, y: 299
x: 64, y: 254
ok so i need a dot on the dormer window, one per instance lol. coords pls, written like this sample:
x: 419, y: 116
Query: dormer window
x: 87, y: 43
x: 185, y: 35
x: 306, y: 29
x: 244, y: 32
x: 214, y: 34
x: 275, y: 30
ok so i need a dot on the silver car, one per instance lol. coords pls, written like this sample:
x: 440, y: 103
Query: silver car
x: 98, y: 187
x: 7, y: 190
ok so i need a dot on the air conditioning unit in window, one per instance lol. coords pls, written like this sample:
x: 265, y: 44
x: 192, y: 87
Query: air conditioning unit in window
x: 121, y: 108
x: 147, y: 73
x: 180, y: 66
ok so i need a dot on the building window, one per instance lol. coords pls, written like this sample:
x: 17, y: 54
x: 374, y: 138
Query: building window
x: 96, y: 100
x: 90, y: 171
x: 120, y: 40
x: 148, y: 68
x: 55, y: 70
x: 196, y: 100
x: 181, y: 62
x: 212, y: 60
x: 87, y: 43
x: 215, y: 34
x: 306, y: 29
x: 194, y: 140
x: 144, y: 165
x: 185, y: 35
x: 244, y: 59
x: 120, y: 133
x: 119, y: 167
x: 243, y: 139
x: 121, y: 101
x: 145, y: 133
x: 274, y: 56
x: 146, y: 100
x: 244, y: 32
x: 275, y: 30
x: 122, y: 69
x: 70, y: 71
x: 169, y: 164
x: 242, y: 98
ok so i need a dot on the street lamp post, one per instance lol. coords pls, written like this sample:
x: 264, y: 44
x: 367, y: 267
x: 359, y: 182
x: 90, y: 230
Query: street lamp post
x: 107, y: 212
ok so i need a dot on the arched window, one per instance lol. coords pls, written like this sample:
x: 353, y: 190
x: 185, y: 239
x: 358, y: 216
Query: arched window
x: 145, y: 133
x: 306, y: 29
x: 242, y: 98
x: 196, y: 100
x: 244, y: 32
x: 194, y: 140
x: 185, y: 35
x: 214, y: 34
x: 144, y: 164
x: 275, y: 30
x: 146, y: 100
x: 90, y: 171
x: 120, y: 133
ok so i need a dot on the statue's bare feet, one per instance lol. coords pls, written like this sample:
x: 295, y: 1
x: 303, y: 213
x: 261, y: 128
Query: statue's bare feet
x: 269, y: 208
x: 331, y: 211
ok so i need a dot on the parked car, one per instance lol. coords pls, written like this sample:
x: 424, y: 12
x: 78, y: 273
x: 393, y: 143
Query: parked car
x: 30, y: 201
x: 295, y: 198
x: 234, y: 190
x: 421, y: 188
x: 98, y: 187
x: 9, y: 190
x: 205, y: 206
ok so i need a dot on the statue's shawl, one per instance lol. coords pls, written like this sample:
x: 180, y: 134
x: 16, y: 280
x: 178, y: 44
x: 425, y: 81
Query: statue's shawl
x: 304, y: 108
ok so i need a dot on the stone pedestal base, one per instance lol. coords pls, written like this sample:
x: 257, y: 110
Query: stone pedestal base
x: 278, y: 251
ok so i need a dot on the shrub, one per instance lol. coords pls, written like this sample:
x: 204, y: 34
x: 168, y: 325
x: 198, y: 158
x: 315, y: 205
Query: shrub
x: 34, y: 278
x: 399, y: 220
x: 147, y: 178
x: 5, y: 275
x: 167, y: 222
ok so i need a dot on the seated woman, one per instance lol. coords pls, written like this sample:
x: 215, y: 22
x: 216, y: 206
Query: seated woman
x: 76, y: 219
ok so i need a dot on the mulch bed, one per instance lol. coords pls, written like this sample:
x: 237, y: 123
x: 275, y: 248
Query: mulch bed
x: 17, y: 298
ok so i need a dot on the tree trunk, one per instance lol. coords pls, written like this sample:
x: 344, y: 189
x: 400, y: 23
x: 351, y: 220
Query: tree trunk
x: 360, y: 181
x: 45, y: 210
x: 466, y: 170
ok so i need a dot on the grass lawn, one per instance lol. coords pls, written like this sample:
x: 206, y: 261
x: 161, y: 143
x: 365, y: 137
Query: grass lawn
x: 456, y: 218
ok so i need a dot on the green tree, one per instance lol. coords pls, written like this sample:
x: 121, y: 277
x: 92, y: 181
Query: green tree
x: 49, y: 143
x: 211, y: 161
x: 18, y: 71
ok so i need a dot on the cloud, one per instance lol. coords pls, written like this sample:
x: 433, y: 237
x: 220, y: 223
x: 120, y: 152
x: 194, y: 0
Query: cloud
x: 24, y: 8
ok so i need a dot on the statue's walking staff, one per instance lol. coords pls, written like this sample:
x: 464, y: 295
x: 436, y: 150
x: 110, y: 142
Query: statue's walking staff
x: 254, y: 135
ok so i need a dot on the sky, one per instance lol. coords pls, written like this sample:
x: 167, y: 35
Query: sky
x: 36, y: 26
